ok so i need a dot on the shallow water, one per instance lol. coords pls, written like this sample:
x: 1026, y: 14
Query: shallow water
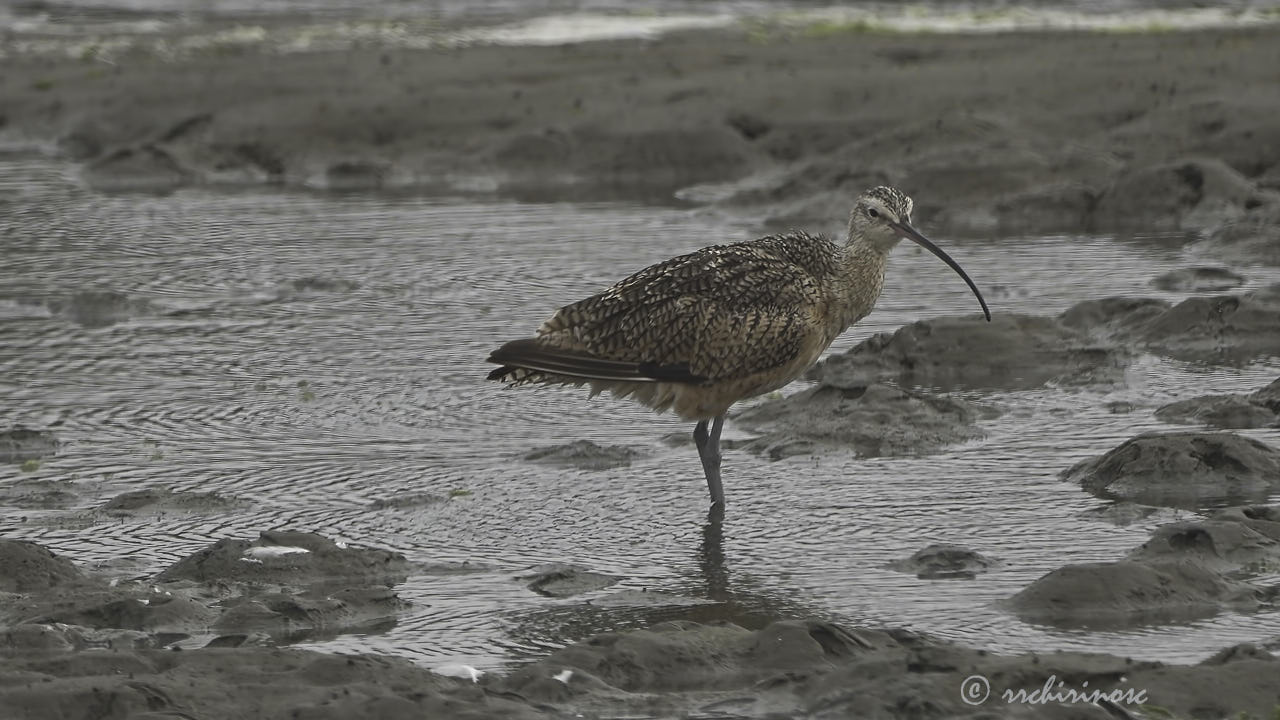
x: 106, y: 30
x: 312, y: 354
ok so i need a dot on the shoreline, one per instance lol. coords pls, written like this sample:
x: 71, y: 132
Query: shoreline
x: 991, y: 134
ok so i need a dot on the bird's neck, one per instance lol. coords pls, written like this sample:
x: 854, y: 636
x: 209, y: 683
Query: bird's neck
x: 862, y: 268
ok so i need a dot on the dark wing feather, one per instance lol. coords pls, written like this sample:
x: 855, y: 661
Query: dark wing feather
x: 534, y: 355
x: 721, y: 312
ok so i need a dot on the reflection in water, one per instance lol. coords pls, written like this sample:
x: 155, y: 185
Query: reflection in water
x: 711, y: 555
x: 308, y: 357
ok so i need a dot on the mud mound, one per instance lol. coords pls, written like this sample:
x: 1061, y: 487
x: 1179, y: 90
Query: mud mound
x: 1220, y: 545
x: 583, y: 455
x: 1227, y: 329
x: 1198, y: 280
x: 38, y: 493
x: 1254, y: 410
x: 290, y: 616
x: 1012, y: 352
x: 1190, y: 193
x: 1222, y: 329
x: 1012, y: 175
x: 937, y: 562
x: 27, y: 567
x: 246, y: 683
x: 1185, y: 470
x: 1254, y: 238
x: 560, y: 580
x: 149, y: 611
x: 1125, y: 593
x: 288, y: 586
x: 1113, y: 318
x: 404, y: 501
x: 291, y: 558
x: 873, y: 421
x: 18, y: 444
x: 162, y: 499
x: 315, y: 285
x: 681, y: 656
x: 100, y: 308
x: 146, y: 168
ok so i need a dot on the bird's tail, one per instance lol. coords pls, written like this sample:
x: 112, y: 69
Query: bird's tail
x: 527, y: 360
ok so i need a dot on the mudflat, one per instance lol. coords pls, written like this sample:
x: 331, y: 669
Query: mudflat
x: 991, y: 133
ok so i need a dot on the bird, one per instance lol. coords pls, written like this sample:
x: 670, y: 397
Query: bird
x: 698, y: 332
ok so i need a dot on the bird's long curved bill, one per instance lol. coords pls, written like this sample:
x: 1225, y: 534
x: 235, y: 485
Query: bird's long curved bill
x: 914, y: 235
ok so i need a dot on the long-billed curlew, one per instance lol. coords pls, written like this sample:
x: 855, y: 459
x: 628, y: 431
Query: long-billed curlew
x: 699, y: 332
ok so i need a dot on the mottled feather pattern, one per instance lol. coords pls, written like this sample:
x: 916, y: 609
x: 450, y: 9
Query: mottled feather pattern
x: 750, y: 296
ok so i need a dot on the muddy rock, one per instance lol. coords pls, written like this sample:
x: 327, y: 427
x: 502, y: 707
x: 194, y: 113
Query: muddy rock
x: 313, y: 285
x: 873, y: 421
x: 646, y: 599
x: 404, y: 501
x: 1021, y: 175
x: 99, y: 308
x: 27, y: 567
x: 38, y: 494
x: 1184, y: 194
x: 1127, y: 592
x: 18, y: 444
x: 147, y: 168
x: 351, y: 175
x: 1012, y: 352
x: 291, y: 616
x: 1113, y: 319
x: 97, y: 610
x: 1227, y: 329
x: 1122, y: 514
x: 1253, y: 410
x: 1222, y: 545
x: 129, y: 607
x: 243, y: 682
x: 583, y: 455
x: 789, y: 668
x: 162, y: 499
x: 1198, y: 280
x: 292, y: 558
x: 1254, y: 238
x: 681, y: 656
x: 1187, y: 470
x: 1264, y: 519
x: 938, y: 561
x: 560, y: 580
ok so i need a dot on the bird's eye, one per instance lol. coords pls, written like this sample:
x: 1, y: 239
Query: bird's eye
x: 871, y: 212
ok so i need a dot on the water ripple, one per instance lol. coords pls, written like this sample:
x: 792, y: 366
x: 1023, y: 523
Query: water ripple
x: 310, y: 355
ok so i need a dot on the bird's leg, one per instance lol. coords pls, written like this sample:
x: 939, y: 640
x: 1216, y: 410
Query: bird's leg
x: 709, y: 451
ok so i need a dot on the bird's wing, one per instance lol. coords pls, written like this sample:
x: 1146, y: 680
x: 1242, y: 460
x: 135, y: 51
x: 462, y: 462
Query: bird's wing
x: 721, y: 312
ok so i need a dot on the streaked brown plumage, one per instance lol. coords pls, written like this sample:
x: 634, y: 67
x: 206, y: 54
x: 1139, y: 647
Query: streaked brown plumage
x: 698, y: 332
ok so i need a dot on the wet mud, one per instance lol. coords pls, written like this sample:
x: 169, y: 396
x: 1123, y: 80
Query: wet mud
x: 874, y: 421
x: 1168, y: 146
x: 583, y: 455
x: 1189, y: 470
x: 1257, y: 409
x: 125, y: 655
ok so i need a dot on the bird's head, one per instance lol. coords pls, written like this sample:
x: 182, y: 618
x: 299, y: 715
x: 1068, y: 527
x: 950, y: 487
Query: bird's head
x: 881, y: 218
x: 878, y: 216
